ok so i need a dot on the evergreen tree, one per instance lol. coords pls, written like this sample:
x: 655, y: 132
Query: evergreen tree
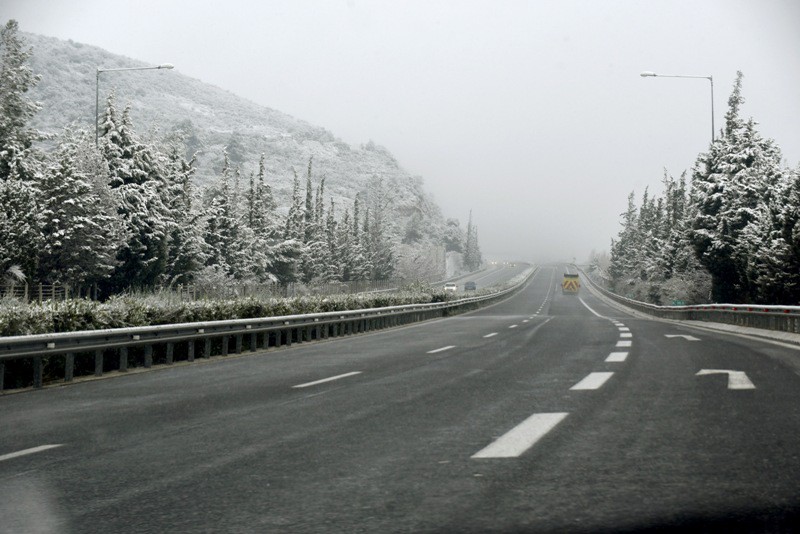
x: 137, y: 181
x: 624, y: 250
x: 78, y: 236
x: 223, y: 232
x: 20, y: 220
x: 730, y: 182
x: 16, y: 109
x: 472, y: 252
x: 186, y: 254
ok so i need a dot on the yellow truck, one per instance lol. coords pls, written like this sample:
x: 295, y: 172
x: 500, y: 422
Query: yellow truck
x: 571, y: 284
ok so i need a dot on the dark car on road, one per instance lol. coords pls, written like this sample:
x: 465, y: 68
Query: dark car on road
x: 470, y: 286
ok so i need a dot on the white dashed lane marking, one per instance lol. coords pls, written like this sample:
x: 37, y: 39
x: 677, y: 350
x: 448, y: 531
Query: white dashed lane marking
x: 448, y: 347
x: 616, y: 357
x: 322, y: 381
x: 592, y: 381
x: 522, y: 437
x: 491, y: 335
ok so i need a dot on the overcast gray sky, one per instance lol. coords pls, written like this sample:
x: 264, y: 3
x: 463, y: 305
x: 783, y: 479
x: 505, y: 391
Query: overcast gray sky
x: 531, y: 113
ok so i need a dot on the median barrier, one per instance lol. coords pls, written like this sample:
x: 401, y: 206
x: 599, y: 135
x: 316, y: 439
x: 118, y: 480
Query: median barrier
x: 100, y: 350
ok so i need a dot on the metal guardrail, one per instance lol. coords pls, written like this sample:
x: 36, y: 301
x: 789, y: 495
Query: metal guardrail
x: 114, y: 348
x: 779, y: 318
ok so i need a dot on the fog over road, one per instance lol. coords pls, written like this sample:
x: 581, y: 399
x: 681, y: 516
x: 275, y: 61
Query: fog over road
x: 545, y: 412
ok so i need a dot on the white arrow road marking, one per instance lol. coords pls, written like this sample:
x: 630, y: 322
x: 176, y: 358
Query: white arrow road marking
x: 736, y: 379
x: 28, y: 451
x: 522, y: 437
x: 687, y: 338
x: 329, y: 379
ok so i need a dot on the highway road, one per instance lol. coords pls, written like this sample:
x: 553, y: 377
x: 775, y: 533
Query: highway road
x: 543, y: 413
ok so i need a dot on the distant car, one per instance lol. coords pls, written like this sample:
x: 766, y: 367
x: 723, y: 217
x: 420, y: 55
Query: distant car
x: 470, y: 286
x: 451, y: 287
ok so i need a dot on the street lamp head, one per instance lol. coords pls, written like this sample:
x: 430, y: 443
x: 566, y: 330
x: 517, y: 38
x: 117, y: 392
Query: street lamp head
x: 647, y: 73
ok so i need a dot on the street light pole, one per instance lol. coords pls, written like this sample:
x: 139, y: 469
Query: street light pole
x: 97, y: 92
x: 648, y: 74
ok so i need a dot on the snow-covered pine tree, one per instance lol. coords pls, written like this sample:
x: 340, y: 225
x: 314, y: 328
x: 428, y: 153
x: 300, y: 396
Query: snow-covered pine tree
x: 186, y: 254
x: 472, y: 252
x: 624, y: 250
x: 19, y: 213
x: 79, y: 237
x: 16, y: 109
x: 136, y: 176
x: 729, y: 183
x: 222, y: 233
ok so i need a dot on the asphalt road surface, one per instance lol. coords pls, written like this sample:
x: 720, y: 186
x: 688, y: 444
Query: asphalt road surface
x: 543, y: 413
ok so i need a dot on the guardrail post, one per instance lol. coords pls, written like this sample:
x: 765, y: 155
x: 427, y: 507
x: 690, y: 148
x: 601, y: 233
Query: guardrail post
x: 265, y: 346
x: 148, y: 356
x: 37, y: 372
x: 69, y: 367
x: 207, y: 348
x: 254, y: 342
x: 2, y: 375
x: 190, y: 350
x: 289, y: 333
x: 123, y: 359
x: 238, y: 343
x: 225, y: 345
x: 98, y: 362
x: 278, y: 338
x: 170, y: 353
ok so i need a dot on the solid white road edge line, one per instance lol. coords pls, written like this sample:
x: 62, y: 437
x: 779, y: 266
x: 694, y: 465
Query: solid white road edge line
x: 616, y: 357
x: 29, y: 451
x: 448, y: 347
x: 591, y: 310
x: 329, y: 379
x: 522, y: 437
x: 592, y: 381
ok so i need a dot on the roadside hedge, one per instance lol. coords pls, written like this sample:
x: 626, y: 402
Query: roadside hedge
x: 17, y: 318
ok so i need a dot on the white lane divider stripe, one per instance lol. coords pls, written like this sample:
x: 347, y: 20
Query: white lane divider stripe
x: 513, y: 326
x: 448, y: 347
x: 624, y: 343
x: 329, y: 379
x: 491, y: 335
x: 616, y: 357
x: 592, y: 381
x: 625, y: 335
x: 26, y: 452
x: 624, y: 329
x: 522, y: 437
